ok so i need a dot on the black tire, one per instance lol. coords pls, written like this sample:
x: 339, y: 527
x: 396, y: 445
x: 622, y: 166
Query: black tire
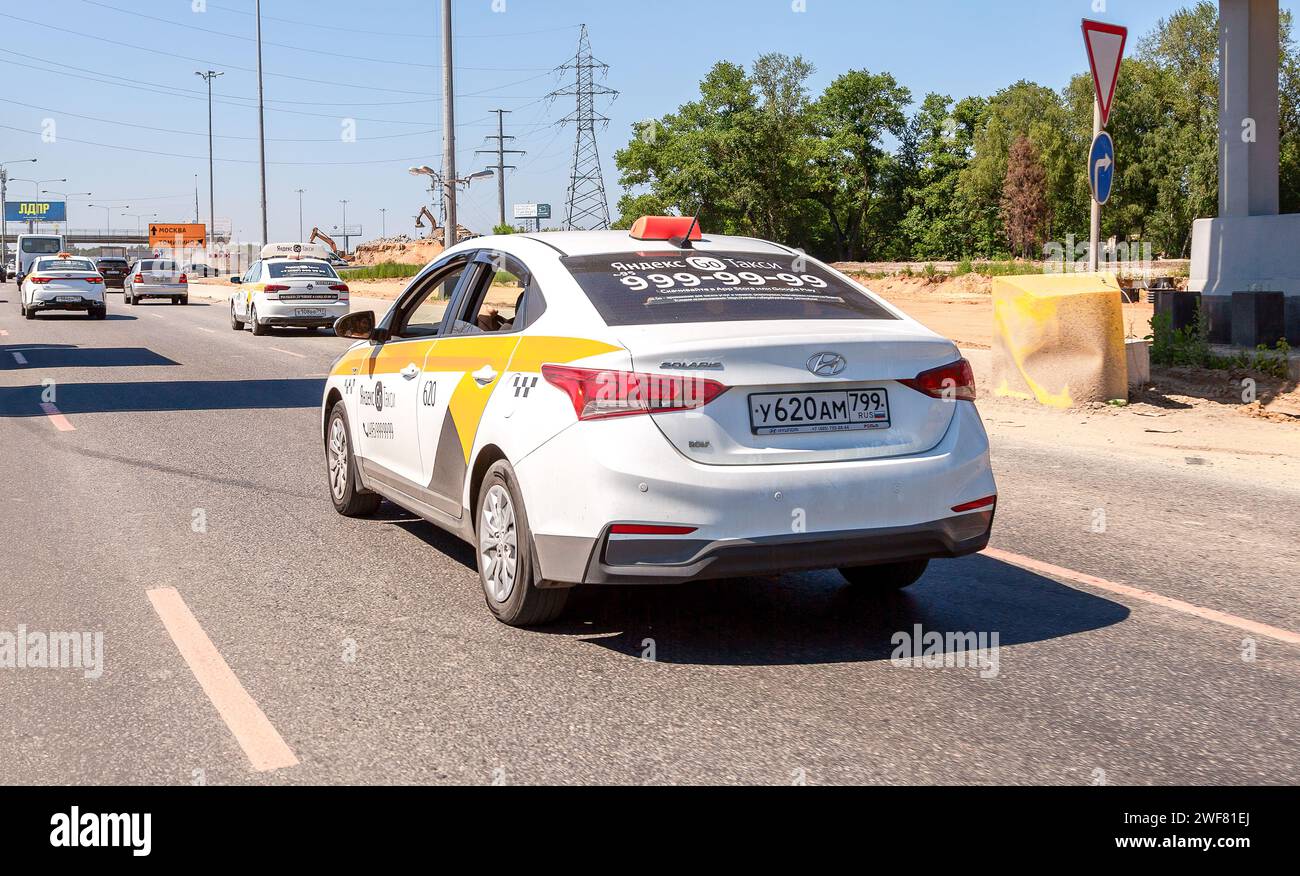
x: 29, y: 313
x: 235, y: 325
x: 129, y: 299
x: 886, y: 576
x: 184, y: 299
x: 346, y: 492
x: 525, y: 604
x: 258, y: 329
x: 99, y: 313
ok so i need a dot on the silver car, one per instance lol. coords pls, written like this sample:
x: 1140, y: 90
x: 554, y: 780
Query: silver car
x: 156, y: 278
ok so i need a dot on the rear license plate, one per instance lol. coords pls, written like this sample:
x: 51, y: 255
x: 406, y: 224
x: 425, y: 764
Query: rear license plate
x: 309, y: 311
x: 781, y: 413
x: 68, y: 299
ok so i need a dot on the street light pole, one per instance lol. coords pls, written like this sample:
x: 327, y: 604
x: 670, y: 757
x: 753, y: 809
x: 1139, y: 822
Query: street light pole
x: 4, y: 217
x: 451, y: 228
x: 300, y: 191
x: 261, y: 121
x: 383, y: 222
x: 212, y: 188
x: 345, y: 226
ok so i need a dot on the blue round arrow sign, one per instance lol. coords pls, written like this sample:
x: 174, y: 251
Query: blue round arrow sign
x: 1101, y: 167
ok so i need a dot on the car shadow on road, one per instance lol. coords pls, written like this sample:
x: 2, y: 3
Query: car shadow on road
x: 73, y: 356
x: 165, y: 395
x: 814, y: 618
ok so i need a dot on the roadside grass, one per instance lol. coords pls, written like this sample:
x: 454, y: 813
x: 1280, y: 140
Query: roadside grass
x: 384, y: 271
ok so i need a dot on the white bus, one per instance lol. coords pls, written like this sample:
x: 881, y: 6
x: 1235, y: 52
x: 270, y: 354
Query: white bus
x: 32, y: 247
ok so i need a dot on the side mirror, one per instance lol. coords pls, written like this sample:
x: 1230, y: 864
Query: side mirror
x: 236, y: 280
x: 359, y: 326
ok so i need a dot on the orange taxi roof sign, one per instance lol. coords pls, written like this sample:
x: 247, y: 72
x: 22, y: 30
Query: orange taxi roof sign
x: 665, y: 228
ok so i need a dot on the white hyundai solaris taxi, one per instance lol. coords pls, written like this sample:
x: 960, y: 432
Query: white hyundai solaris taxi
x: 63, y: 282
x: 290, y: 285
x: 661, y: 405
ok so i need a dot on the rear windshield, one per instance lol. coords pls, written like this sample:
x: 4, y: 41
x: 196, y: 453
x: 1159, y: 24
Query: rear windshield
x: 42, y: 245
x: 661, y: 288
x: 159, y: 267
x: 113, y: 263
x: 65, y: 265
x: 290, y: 270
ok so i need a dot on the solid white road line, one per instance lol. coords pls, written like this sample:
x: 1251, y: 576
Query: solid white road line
x: 265, y: 748
x: 1211, y: 614
x: 58, y: 419
x: 19, y: 358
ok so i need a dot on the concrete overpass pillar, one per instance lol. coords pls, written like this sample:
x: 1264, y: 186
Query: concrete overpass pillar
x: 1249, y: 247
x: 1248, y: 106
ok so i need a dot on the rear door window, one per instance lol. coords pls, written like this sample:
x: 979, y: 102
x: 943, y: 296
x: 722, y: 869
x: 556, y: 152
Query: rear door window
x: 664, y: 287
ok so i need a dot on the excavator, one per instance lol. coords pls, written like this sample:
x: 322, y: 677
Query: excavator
x: 425, y: 214
x: 318, y: 235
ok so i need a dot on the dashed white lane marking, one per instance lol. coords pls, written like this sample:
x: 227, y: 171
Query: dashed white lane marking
x: 58, y: 419
x: 19, y: 358
x: 156, y: 315
x: 3, y: 333
x: 287, y: 352
x: 208, y: 330
x: 265, y: 748
x: 1211, y: 614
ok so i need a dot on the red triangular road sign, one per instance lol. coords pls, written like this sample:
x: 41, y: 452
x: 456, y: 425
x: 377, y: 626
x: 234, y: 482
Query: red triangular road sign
x: 1105, y: 44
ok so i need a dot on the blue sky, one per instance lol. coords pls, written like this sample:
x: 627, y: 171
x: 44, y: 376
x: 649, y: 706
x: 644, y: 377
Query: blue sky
x: 91, y: 64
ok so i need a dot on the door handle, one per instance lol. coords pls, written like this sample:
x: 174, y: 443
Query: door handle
x: 484, y: 375
x: 410, y: 372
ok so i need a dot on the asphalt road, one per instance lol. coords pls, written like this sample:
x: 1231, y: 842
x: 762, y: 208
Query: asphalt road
x: 194, y: 462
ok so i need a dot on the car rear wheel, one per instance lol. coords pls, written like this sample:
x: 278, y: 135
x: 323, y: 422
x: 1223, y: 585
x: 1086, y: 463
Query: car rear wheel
x: 258, y: 328
x: 505, y: 555
x: 235, y: 324
x: 128, y: 298
x: 887, y: 576
x: 99, y: 313
x: 184, y: 299
x: 346, y: 493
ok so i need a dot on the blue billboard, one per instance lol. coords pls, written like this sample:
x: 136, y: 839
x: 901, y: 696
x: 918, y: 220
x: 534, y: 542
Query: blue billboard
x: 36, y: 211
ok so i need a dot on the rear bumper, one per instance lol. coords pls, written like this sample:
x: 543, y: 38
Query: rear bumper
x: 667, y: 560
x: 80, y: 304
x: 747, y: 519
x: 160, y: 291
x: 286, y: 313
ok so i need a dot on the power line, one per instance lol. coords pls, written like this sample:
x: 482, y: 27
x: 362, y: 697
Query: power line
x: 312, y: 51
x: 228, y: 160
x: 121, y: 123
x: 587, y: 206
x: 424, y: 36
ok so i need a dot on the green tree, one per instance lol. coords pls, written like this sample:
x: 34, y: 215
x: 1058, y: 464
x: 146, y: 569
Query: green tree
x: 851, y: 121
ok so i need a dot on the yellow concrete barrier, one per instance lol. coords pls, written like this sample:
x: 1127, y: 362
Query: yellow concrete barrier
x: 1059, y: 338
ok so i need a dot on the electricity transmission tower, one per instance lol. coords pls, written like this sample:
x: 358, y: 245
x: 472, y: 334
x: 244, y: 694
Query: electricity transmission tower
x: 587, y: 207
x: 501, y: 151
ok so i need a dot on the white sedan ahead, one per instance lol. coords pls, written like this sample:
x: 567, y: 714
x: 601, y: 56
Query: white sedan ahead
x: 63, y: 282
x: 609, y: 407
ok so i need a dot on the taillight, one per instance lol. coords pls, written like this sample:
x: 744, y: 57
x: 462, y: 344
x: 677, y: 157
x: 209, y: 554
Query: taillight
x: 339, y: 287
x: 139, y: 278
x: 40, y: 281
x: 94, y: 280
x: 184, y: 279
x: 599, y: 395
x: 952, y: 382
x: 272, y: 287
